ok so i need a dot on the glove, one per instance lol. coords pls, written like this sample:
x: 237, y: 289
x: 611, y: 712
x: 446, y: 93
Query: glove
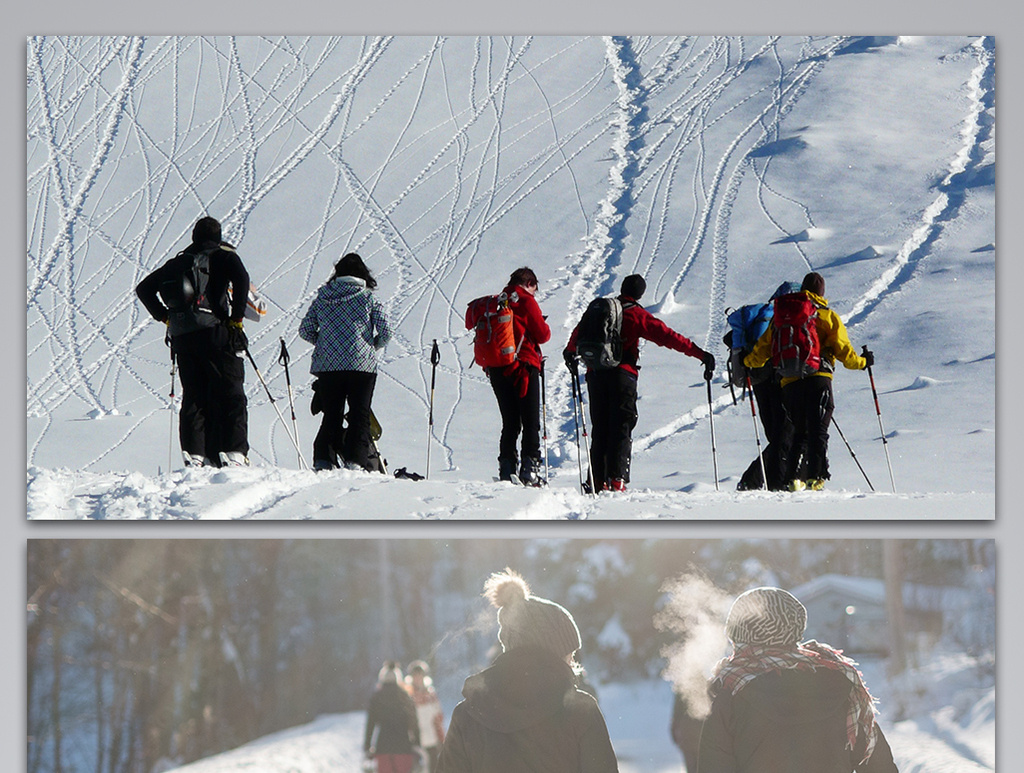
x: 709, y: 365
x: 236, y: 336
x: 570, y: 361
x: 869, y: 356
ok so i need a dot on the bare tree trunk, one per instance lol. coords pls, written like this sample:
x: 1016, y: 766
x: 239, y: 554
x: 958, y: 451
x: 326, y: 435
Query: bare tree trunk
x: 892, y: 553
x: 56, y: 651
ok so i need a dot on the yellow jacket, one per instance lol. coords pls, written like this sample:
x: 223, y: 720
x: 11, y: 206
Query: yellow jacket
x: 832, y: 338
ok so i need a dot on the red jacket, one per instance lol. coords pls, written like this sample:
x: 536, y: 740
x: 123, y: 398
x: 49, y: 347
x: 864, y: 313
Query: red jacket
x: 639, y: 323
x: 528, y: 326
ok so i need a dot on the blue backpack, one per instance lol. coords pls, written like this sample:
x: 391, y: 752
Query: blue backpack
x: 746, y: 325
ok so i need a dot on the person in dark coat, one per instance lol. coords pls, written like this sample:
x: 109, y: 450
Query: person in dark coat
x: 779, y: 705
x: 685, y: 730
x: 347, y: 326
x: 204, y: 325
x: 517, y: 387
x: 524, y: 714
x: 613, y: 392
x: 392, y: 719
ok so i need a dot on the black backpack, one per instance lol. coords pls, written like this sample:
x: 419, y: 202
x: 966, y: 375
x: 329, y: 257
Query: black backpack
x: 183, y: 291
x: 599, y: 334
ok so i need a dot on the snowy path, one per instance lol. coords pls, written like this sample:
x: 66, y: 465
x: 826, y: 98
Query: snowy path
x: 273, y: 493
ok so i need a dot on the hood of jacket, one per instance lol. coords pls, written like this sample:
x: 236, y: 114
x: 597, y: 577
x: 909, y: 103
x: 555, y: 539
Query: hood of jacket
x: 523, y: 687
x: 821, y: 303
x: 341, y: 288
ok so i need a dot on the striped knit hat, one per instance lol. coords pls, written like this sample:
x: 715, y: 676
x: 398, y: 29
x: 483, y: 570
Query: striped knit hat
x: 524, y: 619
x: 769, y: 617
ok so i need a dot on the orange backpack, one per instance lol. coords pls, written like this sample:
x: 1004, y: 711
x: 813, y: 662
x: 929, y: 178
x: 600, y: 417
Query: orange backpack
x: 494, y: 345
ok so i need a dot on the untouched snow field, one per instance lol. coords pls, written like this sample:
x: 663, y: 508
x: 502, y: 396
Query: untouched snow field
x: 716, y: 167
x: 959, y: 737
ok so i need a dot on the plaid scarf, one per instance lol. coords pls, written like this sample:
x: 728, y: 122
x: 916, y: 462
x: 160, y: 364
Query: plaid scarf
x: 750, y: 661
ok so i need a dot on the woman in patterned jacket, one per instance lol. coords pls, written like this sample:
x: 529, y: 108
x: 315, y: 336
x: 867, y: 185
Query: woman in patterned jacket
x: 347, y: 326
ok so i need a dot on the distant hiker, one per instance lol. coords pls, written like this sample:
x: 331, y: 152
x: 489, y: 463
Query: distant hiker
x: 685, y: 730
x: 525, y: 712
x: 612, y: 378
x: 392, y: 733
x: 428, y: 711
x: 805, y: 355
x: 347, y: 325
x: 204, y: 324
x: 782, y: 705
x: 514, y: 369
x: 747, y: 324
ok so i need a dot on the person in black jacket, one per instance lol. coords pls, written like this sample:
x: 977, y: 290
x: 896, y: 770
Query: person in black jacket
x: 525, y: 714
x: 392, y: 730
x: 779, y: 705
x: 204, y: 325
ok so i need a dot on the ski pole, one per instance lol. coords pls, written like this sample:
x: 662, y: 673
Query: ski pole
x: 435, y: 358
x: 711, y: 418
x: 544, y: 418
x: 732, y: 389
x: 850, y: 448
x: 757, y: 435
x: 170, y: 435
x: 576, y: 421
x: 583, y: 423
x: 878, y: 412
x: 273, y: 402
x: 283, y: 358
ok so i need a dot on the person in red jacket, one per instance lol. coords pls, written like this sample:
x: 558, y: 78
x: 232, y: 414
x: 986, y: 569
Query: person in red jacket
x: 613, y: 392
x: 517, y: 387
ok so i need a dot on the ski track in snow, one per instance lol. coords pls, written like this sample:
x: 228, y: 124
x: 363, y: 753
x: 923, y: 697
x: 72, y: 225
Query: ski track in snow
x: 657, y: 111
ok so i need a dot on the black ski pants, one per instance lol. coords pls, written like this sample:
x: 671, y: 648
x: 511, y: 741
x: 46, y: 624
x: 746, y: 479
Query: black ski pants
x: 518, y: 414
x: 214, y: 411
x: 778, y: 432
x: 613, y: 415
x: 334, y: 390
x: 809, y: 403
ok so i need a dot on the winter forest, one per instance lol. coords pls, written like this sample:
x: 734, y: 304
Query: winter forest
x: 717, y: 167
x: 149, y: 654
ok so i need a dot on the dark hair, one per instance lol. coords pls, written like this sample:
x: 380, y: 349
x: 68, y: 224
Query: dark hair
x: 206, y: 229
x: 523, y: 276
x: 634, y: 286
x: 814, y: 282
x: 352, y: 265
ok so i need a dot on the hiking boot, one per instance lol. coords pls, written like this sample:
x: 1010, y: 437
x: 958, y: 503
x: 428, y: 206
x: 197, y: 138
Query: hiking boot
x: 319, y: 465
x: 816, y: 484
x: 529, y: 472
x: 797, y: 485
x: 195, y: 460
x: 615, y: 484
x: 233, y: 459
x: 506, y: 467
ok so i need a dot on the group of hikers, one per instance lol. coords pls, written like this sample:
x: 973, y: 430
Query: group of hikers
x: 778, y: 703
x: 202, y: 292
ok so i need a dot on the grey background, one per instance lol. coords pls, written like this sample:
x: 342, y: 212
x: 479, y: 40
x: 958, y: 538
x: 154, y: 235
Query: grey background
x: 521, y: 16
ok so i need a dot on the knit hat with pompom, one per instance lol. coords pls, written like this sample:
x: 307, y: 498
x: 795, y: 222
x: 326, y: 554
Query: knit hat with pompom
x: 524, y: 619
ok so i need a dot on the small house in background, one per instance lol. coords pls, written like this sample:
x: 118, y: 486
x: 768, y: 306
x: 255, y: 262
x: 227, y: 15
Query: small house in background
x: 849, y: 612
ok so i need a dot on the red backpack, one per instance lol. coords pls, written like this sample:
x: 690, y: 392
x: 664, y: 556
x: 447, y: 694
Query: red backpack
x: 796, y: 351
x: 494, y: 345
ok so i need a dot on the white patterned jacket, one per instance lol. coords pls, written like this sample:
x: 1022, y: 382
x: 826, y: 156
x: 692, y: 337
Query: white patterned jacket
x: 347, y: 325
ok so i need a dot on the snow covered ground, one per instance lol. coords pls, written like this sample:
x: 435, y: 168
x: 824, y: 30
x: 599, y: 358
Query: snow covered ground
x: 958, y: 738
x: 717, y: 167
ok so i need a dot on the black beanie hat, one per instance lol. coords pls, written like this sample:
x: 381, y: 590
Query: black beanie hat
x: 524, y: 619
x: 206, y: 229
x: 633, y: 286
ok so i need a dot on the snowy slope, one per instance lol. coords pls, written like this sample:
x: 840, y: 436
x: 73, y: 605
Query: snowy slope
x: 717, y: 167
